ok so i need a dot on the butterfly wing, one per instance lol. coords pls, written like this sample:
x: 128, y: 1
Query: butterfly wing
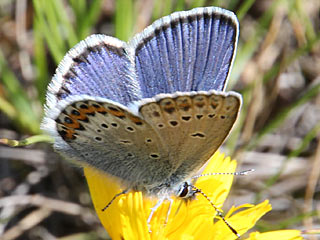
x: 91, y: 114
x: 110, y: 137
x: 97, y: 66
x: 192, y: 125
x: 167, y: 140
x: 186, y: 51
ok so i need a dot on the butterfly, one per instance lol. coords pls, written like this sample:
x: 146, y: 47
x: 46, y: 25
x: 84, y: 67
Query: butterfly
x: 152, y: 111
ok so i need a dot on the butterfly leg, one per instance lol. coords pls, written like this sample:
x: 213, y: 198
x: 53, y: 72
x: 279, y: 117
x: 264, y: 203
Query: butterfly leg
x: 154, y: 209
x: 169, y: 210
x: 114, y: 197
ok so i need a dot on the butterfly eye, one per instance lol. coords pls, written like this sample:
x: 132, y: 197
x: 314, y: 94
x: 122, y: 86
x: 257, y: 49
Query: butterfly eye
x: 185, y: 191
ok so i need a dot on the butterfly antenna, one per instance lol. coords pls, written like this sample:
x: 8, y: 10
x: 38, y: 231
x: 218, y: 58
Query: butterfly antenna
x: 114, y: 197
x: 219, y: 213
x: 242, y: 173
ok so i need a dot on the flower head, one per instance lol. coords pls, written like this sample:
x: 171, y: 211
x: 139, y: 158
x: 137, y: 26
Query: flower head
x: 126, y: 217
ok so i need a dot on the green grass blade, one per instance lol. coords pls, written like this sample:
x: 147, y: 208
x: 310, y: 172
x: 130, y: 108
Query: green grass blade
x: 25, y: 117
x: 180, y: 6
x: 7, y: 108
x: 40, y: 60
x: 49, y: 23
x: 28, y: 141
x: 124, y: 19
x: 197, y: 3
x: 245, y: 6
x: 167, y: 7
x: 79, y: 8
x: 67, y: 29
x: 157, y: 10
x: 56, y: 48
x: 92, y: 15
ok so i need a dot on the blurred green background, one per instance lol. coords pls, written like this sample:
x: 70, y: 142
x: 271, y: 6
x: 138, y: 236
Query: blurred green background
x: 277, y: 70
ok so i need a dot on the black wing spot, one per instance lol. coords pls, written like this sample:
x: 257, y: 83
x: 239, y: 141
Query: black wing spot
x: 81, y: 128
x: 104, y: 125
x: 96, y: 105
x: 214, y: 106
x: 154, y: 155
x: 198, y: 134
x: 91, y: 114
x: 114, y: 124
x: 113, y: 109
x: 148, y: 140
x: 169, y: 110
x: 174, y: 123
x: 199, y: 116
x: 99, y: 139
x: 75, y: 112
x: 68, y: 120
x: 186, y: 118
x: 62, y: 133
x: 156, y: 114
x: 222, y: 117
x: 84, y: 120
x: 130, y: 129
x: 125, y: 141
x: 211, y: 115
x: 84, y: 106
x: 160, y: 125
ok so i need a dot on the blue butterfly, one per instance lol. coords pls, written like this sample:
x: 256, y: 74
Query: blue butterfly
x: 152, y: 111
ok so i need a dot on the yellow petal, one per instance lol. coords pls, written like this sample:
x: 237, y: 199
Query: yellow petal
x: 242, y: 220
x: 127, y: 215
x: 281, y: 235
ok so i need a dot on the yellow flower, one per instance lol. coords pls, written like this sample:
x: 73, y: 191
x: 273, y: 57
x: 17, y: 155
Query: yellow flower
x: 281, y: 235
x: 126, y: 218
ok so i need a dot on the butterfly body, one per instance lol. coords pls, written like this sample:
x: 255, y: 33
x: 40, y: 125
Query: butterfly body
x: 150, y: 112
